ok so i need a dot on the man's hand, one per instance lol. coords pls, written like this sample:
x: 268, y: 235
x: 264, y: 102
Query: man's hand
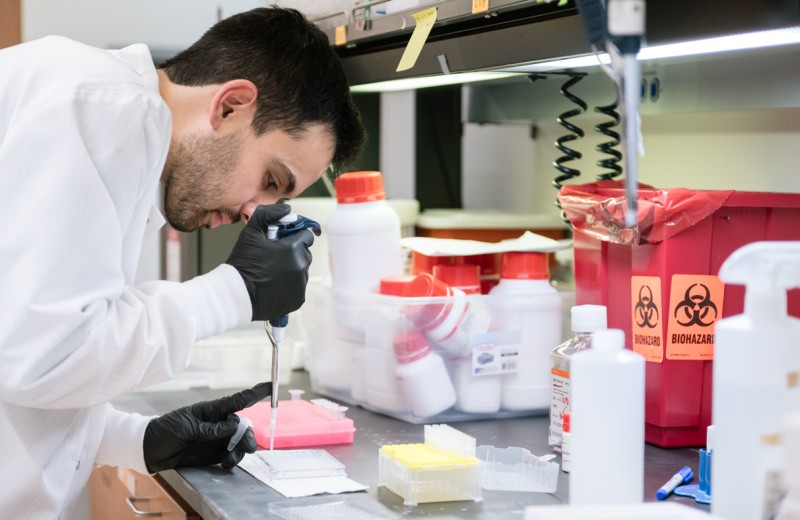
x: 275, y: 272
x: 198, y: 435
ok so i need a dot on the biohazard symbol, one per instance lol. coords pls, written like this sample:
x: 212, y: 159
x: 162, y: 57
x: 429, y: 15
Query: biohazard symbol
x: 696, y: 309
x: 646, y: 311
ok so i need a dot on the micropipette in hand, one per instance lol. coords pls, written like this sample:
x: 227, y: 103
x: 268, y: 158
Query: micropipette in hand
x: 276, y: 330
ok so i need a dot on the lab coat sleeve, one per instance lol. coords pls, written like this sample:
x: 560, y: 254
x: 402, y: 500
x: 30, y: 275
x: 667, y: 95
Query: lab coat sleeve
x: 73, y: 332
x: 122, y: 444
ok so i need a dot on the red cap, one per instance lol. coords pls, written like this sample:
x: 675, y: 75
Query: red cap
x: 359, y: 187
x: 424, y: 264
x: 429, y: 315
x: 489, y: 263
x: 465, y: 276
x: 524, y: 266
x: 395, y: 285
x: 566, y: 419
x: 410, y: 346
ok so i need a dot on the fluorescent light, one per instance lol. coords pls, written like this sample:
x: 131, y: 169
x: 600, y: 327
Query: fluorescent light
x: 429, y: 81
x: 755, y: 40
x: 736, y: 42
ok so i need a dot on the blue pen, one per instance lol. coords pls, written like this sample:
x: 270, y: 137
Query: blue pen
x: 681, y: 477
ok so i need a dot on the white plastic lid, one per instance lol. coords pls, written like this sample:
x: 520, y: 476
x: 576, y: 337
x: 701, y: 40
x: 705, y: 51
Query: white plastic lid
x: 608, y: 340
x: 589, y: 318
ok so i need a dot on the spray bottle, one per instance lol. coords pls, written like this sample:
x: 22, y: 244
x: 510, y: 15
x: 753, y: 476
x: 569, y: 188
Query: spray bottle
x: 756, y: 367
x: 276, y: 331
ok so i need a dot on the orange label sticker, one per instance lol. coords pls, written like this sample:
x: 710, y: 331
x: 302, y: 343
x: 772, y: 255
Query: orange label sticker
x: 647, y: 332
x: 695, y: 305
x: 479, y: 6
x: 341, y: 35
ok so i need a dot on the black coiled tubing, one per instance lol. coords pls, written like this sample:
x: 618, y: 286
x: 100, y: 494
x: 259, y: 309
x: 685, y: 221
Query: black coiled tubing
x: 610, y: 163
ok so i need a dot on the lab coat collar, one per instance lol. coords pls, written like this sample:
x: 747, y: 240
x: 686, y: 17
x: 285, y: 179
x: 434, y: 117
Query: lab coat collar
x: 138, y: 57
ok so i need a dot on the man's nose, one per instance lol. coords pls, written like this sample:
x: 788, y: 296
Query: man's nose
x: 247, y: 210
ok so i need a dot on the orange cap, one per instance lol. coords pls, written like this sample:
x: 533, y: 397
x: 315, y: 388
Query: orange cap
x: 359, y: 187
x: 424, y: 264
x: 464, y: 276
x: 395, y: 285
x: 427, y: 316
x: 524, y: 266
x: 410, y: 346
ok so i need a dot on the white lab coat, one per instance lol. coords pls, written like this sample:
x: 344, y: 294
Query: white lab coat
x: 83, y: 139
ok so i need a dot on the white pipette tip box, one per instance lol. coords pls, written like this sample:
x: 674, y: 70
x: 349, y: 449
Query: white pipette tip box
x: 517, y: 469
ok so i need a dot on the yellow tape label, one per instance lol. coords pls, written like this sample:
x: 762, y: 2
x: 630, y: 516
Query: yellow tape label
x: 425, y: 20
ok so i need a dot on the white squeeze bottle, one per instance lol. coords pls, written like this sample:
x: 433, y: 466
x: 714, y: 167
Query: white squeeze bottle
x: 756, y: 364
x: 586, y: 319
x: 607, y: 423
x: 363, y: 234
x: 524, y: 300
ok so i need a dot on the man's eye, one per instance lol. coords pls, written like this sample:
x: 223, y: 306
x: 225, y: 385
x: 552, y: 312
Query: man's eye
x: 271, y: 182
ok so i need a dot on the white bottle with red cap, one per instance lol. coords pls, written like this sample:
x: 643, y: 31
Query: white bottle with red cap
x: 525, y: 301
x: 476, y: 392
x: 363, y: 234
x: 423, y: 375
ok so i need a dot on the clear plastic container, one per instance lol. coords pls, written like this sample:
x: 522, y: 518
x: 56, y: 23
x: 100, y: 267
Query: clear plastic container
x: 517, y: 469
x: 479, y: 343
x: 329, y: 507
x: 440, y: 470
x: 301, y: 423
x: 301, y: 464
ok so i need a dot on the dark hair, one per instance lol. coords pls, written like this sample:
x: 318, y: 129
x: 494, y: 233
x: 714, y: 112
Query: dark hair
x: 299, y: 78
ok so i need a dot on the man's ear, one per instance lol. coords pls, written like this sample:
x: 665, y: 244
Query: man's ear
x: 235, y: 98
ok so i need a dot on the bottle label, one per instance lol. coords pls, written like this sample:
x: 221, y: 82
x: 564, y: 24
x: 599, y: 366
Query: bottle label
x: 496, y: 352
x: 559, y: 400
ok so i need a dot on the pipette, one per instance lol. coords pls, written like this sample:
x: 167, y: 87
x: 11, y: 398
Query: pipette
x: 276, y: 330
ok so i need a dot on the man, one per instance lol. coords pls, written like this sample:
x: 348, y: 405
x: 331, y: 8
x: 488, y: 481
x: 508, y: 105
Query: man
x: 254, y: 112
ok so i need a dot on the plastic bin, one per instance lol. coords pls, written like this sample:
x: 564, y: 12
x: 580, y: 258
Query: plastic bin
x: 660, y: 286
x: 361, y: 364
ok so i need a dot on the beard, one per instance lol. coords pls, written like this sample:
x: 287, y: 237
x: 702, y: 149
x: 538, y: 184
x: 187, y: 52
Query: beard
x: 196, y: 173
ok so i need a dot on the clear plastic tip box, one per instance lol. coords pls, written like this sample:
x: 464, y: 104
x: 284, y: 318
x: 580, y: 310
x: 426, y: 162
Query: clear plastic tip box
x: 445, y: 357
x: 441, y: 470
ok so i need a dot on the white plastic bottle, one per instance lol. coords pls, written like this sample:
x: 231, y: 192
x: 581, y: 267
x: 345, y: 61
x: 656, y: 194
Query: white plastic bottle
x: 423, y: 375
x: 475, y: 392
x: 363, y: 234
x: 525, y: 301
x: 790, y: 508
x: 607, y: 423
x: 586, y: 319
x: 755, y: 378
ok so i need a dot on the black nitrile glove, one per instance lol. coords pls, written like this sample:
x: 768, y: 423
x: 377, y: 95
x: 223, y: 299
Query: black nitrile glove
x: 275, y: 272
x: 198, y: 434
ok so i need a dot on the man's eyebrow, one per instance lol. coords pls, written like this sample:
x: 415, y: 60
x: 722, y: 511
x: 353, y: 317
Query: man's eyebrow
x: 291, y: 183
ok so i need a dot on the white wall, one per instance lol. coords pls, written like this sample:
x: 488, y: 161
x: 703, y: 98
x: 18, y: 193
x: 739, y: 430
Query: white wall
x: 748, y: 150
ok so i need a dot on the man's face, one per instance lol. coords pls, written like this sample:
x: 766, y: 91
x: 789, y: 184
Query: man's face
x: 211, y: 179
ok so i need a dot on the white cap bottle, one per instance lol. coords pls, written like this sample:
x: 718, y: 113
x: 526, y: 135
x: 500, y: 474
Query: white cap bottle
x: 423, y: 375
x: 756, y: 371
x: 524, y: 300
x: 586, y: 319
x: 607, y: 423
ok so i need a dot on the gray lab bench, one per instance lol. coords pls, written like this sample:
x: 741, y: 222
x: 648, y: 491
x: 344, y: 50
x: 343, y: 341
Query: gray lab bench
x: 218, y: 494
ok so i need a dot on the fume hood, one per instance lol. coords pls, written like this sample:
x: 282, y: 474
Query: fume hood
x: 513, y: 32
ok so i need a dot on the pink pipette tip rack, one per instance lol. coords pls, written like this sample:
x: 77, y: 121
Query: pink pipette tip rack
x: 301, y: 423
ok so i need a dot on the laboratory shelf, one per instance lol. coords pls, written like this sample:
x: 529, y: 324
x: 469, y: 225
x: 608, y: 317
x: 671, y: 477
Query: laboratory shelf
x: 216, y: 493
